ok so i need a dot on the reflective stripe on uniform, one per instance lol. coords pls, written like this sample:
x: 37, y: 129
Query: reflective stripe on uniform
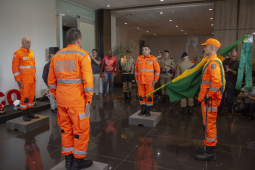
x: 212, y: 140
x: 24, y: 106
x: 69, y: 81
x: 71, y: 52
x: 142, y: 70
x: 25, y: 58
x: 206, y: 82
x: 52, y: 86
x: 79, y: 152
x: 67, y: 149
x: 205, y: 70
x: 139, y: 62
x: 211, y: 108
x: 26, y: 66
x: 142, y: 103
x: 83, y: 115
x: 214, y: 89
x: 88, y: 90
x: 15, y: 74
x: 149, y: 62
x: 149, y: 104
x: 156, y: 74
x: 136, y: 73
x: 31, y: 104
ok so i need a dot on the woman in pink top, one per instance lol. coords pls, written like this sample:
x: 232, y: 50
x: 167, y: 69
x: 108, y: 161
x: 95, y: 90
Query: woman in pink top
x: 110, y: 66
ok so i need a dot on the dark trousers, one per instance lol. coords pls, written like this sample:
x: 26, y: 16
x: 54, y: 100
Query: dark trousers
x: 246, y: 108
x: 230, y: 93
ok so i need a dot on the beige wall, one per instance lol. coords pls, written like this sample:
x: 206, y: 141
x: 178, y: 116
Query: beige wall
x: 177, y: 45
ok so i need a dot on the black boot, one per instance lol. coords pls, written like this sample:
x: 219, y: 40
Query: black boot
x: 184, y: 110
x: 31, y: 114
x: 143, y: 111
x: 190, y: 110
x: 125, y: 95
x: 148, y: 110
x: 25, y: 115
x: 81, y: 164
x: 208, y: 155
x: 129, y: 96
x: 69, y: 161
x: 54, y: 111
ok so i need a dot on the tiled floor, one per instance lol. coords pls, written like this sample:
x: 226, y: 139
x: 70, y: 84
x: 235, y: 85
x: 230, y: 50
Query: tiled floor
x: 171, y: 144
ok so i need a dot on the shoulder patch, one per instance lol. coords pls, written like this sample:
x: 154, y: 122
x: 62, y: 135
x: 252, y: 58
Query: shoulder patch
x: 14, y: 55
x: 213, y: 66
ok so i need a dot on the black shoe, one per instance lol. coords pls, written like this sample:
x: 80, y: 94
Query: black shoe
x: 31, y: 114
x: 69, y: 161
x: 249, y: 118
x: 129, y: 96
x: 148, y: 108
x: 190, y: 110
x: 25, y: 115
x: 204, y: 156
x: 81, y: 164
x: 104, y: 94
x: 54, y: 111
x: 184, y: 110
x: 143, y: 111
x: 125, y: 95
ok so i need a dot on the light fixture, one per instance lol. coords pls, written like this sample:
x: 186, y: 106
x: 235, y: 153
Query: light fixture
x: 181, y: 30
x: 110, y: 167
x: 170, y: 20
x: 108, y: 6
x: 211, y: 18
x: 211, y: 24
x: 161, y: 0
x: 210, y: 9
x: 212, y: 33
x: 138, y: 28
x: 126, y: 23
x: 56, y: 12
x: 154, y: 34
x: 64, y: 23
x: 63, y: 14
x: 185, y: 33
x: 147, y: 31
x: 161, y: 12
x: 176, y: 25
x: 158, y: 153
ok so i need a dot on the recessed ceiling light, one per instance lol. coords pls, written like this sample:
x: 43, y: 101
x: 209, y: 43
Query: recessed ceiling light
x: 210, y: 9
x: 212, y: 33
x: 138, y: 28
x: 154, y: 34
x: 63, y: 14
x: 161, y: 12
x: 125, y: 23
x: 211, y: 24
x: 185, y: 33
x: 176, y: 25
x: 108, y: 6
x: 170, y: 20
x: 56, y: 12
x: 161, y: 0
x: 181, y: 30
x: 147, y: 31
x: 211, y: 18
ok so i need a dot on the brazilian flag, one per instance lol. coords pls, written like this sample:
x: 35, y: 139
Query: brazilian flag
x: 187, y: 84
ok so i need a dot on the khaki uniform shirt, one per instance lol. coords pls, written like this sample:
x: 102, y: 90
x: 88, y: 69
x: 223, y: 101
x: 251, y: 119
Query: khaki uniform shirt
x: 162, y: 64
x: 183, y: 66
x: 128, y: 64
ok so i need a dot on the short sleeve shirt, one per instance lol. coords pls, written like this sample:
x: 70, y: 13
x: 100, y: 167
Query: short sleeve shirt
x: 109, y: 64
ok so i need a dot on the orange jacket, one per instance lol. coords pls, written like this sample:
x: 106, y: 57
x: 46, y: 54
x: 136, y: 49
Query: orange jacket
x: 194, y: 62
x: 147, y: 69
x: 70, y: 78
x: 211, y: 78
x: 23, y: 66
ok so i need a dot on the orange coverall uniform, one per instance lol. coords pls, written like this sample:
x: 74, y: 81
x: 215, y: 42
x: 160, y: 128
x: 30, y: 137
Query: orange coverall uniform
x: 23, y: 69
x: 147, y: 70
x: 70, y: 81
x: 211, y: 78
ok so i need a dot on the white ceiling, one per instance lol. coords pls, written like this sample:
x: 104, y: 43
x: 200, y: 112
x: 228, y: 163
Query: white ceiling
x: 193, y: 19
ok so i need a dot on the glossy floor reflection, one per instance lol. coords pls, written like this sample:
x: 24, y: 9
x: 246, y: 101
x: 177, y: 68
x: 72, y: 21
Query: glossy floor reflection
x: 170, y: 145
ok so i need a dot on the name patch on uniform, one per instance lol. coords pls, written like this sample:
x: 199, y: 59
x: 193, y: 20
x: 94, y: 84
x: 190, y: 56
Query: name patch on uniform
x: 139, y: 62
x: 65, y: 66
x: 213, y: 66
x: 25, y: 58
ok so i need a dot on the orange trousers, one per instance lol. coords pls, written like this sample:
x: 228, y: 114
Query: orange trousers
x: 27, y: 95
x: 144, y: 89
x: 33, y: 157
x: 211, y: 132
x: 74, y: 124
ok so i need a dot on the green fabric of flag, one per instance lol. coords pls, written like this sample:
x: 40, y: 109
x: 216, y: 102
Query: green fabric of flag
x: 245, y: 60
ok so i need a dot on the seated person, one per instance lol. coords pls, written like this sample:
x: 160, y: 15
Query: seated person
x: 248, y: 106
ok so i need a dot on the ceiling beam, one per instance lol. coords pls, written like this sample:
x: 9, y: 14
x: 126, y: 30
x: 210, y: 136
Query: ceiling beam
x: 162, y: 5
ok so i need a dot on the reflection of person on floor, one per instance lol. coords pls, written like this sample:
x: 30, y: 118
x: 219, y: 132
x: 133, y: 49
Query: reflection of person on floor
x: 143, y: 160
x: 33, y: 157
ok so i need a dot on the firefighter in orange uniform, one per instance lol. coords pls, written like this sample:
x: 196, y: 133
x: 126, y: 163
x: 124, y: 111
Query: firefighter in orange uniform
x: 212, y: 78
x: 147, y: 72
x: 24, y: 71
x: 70, y: 81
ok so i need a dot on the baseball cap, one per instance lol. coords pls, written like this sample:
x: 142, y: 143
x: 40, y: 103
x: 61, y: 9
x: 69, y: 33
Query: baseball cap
x: 212, y: 41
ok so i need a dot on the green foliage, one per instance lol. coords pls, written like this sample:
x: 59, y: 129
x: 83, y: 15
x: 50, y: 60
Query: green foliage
x: 119, y: 50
